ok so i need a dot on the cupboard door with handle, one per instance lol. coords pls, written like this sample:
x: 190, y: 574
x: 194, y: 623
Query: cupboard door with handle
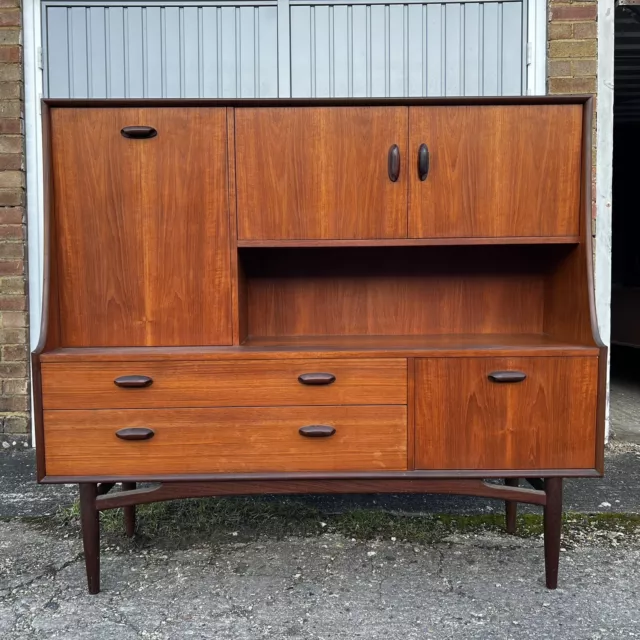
x: 506, y: 413
x: 494, y: 171
x: 141, y: 212
x: 321, y: 173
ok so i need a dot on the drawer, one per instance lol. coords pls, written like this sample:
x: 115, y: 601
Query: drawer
x: 506, y: 413
x: 225, y: 440
x: 245, y: 383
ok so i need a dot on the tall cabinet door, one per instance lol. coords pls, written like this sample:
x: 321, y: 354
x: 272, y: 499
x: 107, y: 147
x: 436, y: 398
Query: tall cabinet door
x: 316, y: 173
x: 491, y: 171
x: 142, y: 225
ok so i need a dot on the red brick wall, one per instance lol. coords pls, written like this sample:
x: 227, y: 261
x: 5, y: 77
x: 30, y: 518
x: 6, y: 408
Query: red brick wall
x: 14, y: 389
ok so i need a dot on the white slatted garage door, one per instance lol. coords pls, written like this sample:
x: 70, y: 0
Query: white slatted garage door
x: 283, y: 48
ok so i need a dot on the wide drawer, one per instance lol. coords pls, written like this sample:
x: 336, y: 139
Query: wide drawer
x: 226, y: 440
x: 91, y: 385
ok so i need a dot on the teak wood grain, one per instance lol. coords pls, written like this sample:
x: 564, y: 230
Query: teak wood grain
x: 226, y: 440
x: 397, y: 291
x: 208, y: 384
x: 496, y: 171
x: 320, y: 173
x: 142, y: 227
x: 465, y: 421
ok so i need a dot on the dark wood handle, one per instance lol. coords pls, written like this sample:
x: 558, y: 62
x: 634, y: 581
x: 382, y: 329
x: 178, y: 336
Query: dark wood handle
x: 135, y: 433
x: 316, y: 378
x: 138, y: 132
x: 423, y: 162
x: 316, y: 431
x: 393, y: 166
x: 507, y: 376
x: 133, y: 382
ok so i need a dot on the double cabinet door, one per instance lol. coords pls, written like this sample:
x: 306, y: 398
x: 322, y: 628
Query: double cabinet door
x: 408, y: 172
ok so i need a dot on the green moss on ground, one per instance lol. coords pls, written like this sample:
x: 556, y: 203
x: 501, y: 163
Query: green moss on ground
x: 181, y: 523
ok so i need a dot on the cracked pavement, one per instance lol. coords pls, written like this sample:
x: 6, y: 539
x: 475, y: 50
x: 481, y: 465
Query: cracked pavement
x: 480, y: 587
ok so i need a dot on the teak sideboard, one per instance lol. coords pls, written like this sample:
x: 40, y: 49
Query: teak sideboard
x: 328, y: 296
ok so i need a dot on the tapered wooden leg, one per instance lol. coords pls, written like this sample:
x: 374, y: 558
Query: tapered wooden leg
x: 511, y: 507
x: 90, y: 519
x: 129, y: 512
x: 552, y: 529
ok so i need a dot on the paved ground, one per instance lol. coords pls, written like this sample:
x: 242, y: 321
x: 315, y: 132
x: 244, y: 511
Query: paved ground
x: 479, y: 584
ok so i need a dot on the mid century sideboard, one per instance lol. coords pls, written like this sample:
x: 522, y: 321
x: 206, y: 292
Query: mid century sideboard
x: 283, y: 297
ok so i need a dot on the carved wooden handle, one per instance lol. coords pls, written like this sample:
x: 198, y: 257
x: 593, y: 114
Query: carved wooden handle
x: 393, y: 163
x: 133, y: 382
x: 316, y: 431
x: 135, y: 433
x: 138, y: 132
x: 316, y: 378
x: 507, y: 376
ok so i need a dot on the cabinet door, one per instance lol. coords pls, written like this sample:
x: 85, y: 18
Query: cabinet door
x: 465, y: 420
x: 495, y: 171
x: 142, y: 227
x: 320, y: 173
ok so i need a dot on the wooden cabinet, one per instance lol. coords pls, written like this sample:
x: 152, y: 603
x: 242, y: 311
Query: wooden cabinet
x: 318, y: 297
x: 505, y: 413
x: 142, y: 227
x: 491, y: 171
x: 321, y: 172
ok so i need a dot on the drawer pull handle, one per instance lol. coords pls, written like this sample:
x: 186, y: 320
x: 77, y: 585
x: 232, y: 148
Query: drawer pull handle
x: 507, y: 376
x: 138, y: 132
x: 393, y: 164
x: 317, y: 431
x: 316, y: 378
x: 133, y: 382
x: 135, y: 433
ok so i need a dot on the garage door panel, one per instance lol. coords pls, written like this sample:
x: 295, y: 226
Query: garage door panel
x: 274, y: 48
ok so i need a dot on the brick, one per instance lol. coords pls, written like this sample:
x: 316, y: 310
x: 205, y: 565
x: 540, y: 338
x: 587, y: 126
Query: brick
x: 13, y: 336
x: 572, y: 85
x: 560, y: 31
x: 10, y: 125
x: 13, y: 319
x: 573, y: 48
x: 11, y: 215
x: 11, y: 251
x: 10, y: 72
x: 573, y: 12
x: 558, y: 68
x: 13, y: 303
x: 16, y: 387
x: 584, y: 67
x: 11, y: 198
x: 10, y: 108
x: 9, y: 3
x: 14, y: 403
x: 11, y: 232
x: 585, y: 30
x: 9, y: 17
x: 14, y: 353
x: 11, y: 179
x: 16, y: 424
x: 11, y: 144
x: 11, y: 267
x: 9, y: 36
x: 13, y: 370
x: 12, y: 285
x: 10, y: 53
x: 10, y: 90
x: 11, y: 162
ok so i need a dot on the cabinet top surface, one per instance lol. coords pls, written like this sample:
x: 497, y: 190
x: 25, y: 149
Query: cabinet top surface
x: 317, y: 102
